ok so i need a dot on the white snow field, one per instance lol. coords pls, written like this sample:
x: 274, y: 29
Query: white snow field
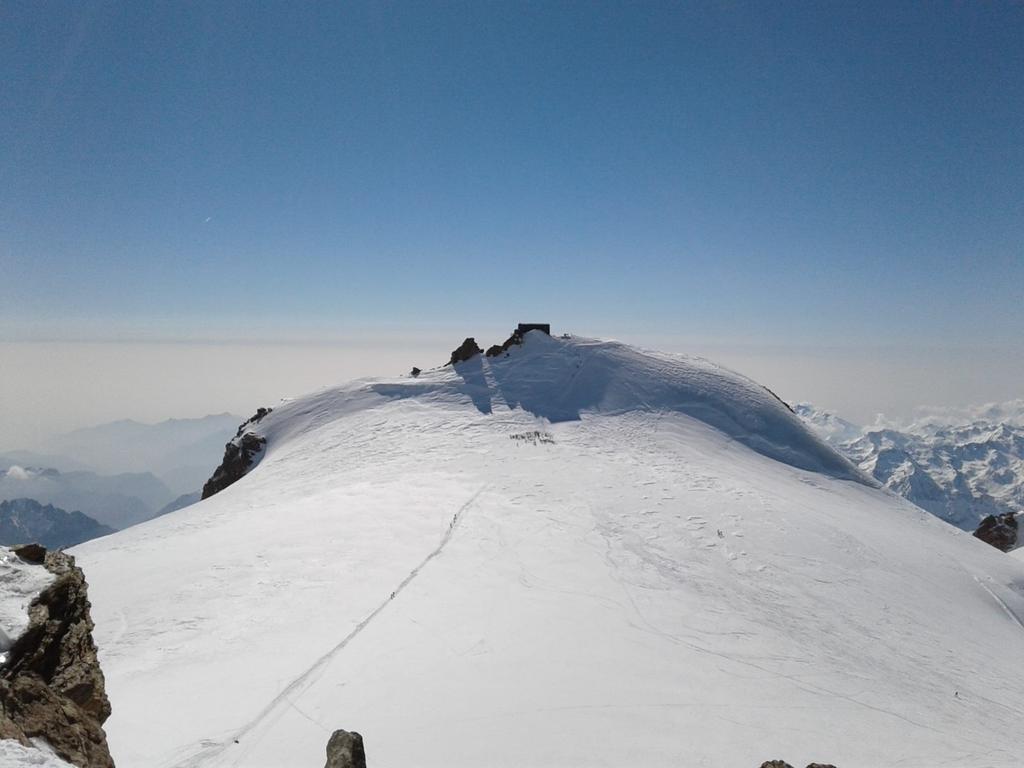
x: 14, y: 755
x: 577, y: 555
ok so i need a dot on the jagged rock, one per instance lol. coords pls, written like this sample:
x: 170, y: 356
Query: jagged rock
x: 999, y: 530
x: 51, y: 686
x: 775, y: 764
x: 466, y: 350
x: 31, y: 553
x: 345, y: 750
x: 239, y: 454
x: 787, y: 405
x: 821, y: 765
x: 514, y: 339
x: 415, y: 372
x: 517, y: 337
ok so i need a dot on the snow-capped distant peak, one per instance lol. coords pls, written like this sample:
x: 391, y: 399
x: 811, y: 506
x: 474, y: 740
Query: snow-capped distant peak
x: 831, y: 427
x: 961, y: 470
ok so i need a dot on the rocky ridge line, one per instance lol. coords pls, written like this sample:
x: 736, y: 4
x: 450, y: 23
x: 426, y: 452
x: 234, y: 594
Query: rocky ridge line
x: 239, y: 456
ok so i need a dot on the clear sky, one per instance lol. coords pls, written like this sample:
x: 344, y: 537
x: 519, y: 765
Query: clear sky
x: 769, y: 177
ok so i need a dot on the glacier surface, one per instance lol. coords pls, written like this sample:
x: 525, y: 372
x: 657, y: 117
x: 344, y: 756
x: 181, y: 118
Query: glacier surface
x: 578, y: 554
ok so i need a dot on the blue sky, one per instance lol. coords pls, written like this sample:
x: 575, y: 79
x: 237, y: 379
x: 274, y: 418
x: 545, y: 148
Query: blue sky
x: 806, y: 175
x: 744, y: 171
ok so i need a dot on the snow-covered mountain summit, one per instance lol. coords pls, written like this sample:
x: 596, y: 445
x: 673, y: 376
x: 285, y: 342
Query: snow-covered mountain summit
x: 557, y: 380
x: 618, y: 556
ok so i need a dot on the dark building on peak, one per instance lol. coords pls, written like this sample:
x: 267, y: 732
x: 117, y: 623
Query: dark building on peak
x: 525, y: 328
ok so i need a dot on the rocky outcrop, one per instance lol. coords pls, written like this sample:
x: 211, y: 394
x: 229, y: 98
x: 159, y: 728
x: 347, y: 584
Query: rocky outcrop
x: 784, y: 764
x: 469, y: 347
x: 51, y: 686
x: 465, y: 351
x: 345, y: 750
x: 999, y: 530
x: 499, y: 349
x: 239, y: 456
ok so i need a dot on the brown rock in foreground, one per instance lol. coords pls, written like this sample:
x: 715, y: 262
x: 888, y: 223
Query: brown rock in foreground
x: 345, y: 750
x: 51, y: 686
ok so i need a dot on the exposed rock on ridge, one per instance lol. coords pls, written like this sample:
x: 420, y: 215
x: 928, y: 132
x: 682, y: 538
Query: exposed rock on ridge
x: 497, y: 349
x: 51, y: 686
x: 239, y: 455
x: 999, y: 530
x: 465, y: 351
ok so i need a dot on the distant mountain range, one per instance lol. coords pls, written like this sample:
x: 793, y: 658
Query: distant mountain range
x: 121, y: 473
x: 26, y: 520
x: 181, y: 452
x: 960, y: 465
x: 114, y: 500
x: 185, y: 500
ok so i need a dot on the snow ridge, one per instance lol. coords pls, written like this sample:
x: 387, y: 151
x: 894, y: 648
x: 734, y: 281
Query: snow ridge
x: 559, y: 379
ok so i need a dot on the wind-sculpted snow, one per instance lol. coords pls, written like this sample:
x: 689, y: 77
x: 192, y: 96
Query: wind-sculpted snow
x: 563, y: 379
x: 646, y: 585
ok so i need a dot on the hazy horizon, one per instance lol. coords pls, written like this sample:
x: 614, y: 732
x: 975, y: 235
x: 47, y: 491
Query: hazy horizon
x: 54, y: 387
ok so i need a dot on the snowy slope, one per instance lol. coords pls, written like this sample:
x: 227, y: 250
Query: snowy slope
x: 580, y: 554
x: 14, y: 755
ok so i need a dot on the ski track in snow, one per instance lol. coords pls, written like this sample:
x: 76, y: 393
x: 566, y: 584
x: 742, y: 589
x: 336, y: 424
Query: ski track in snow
x: 1002, y: 604
x: 213, y: 750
